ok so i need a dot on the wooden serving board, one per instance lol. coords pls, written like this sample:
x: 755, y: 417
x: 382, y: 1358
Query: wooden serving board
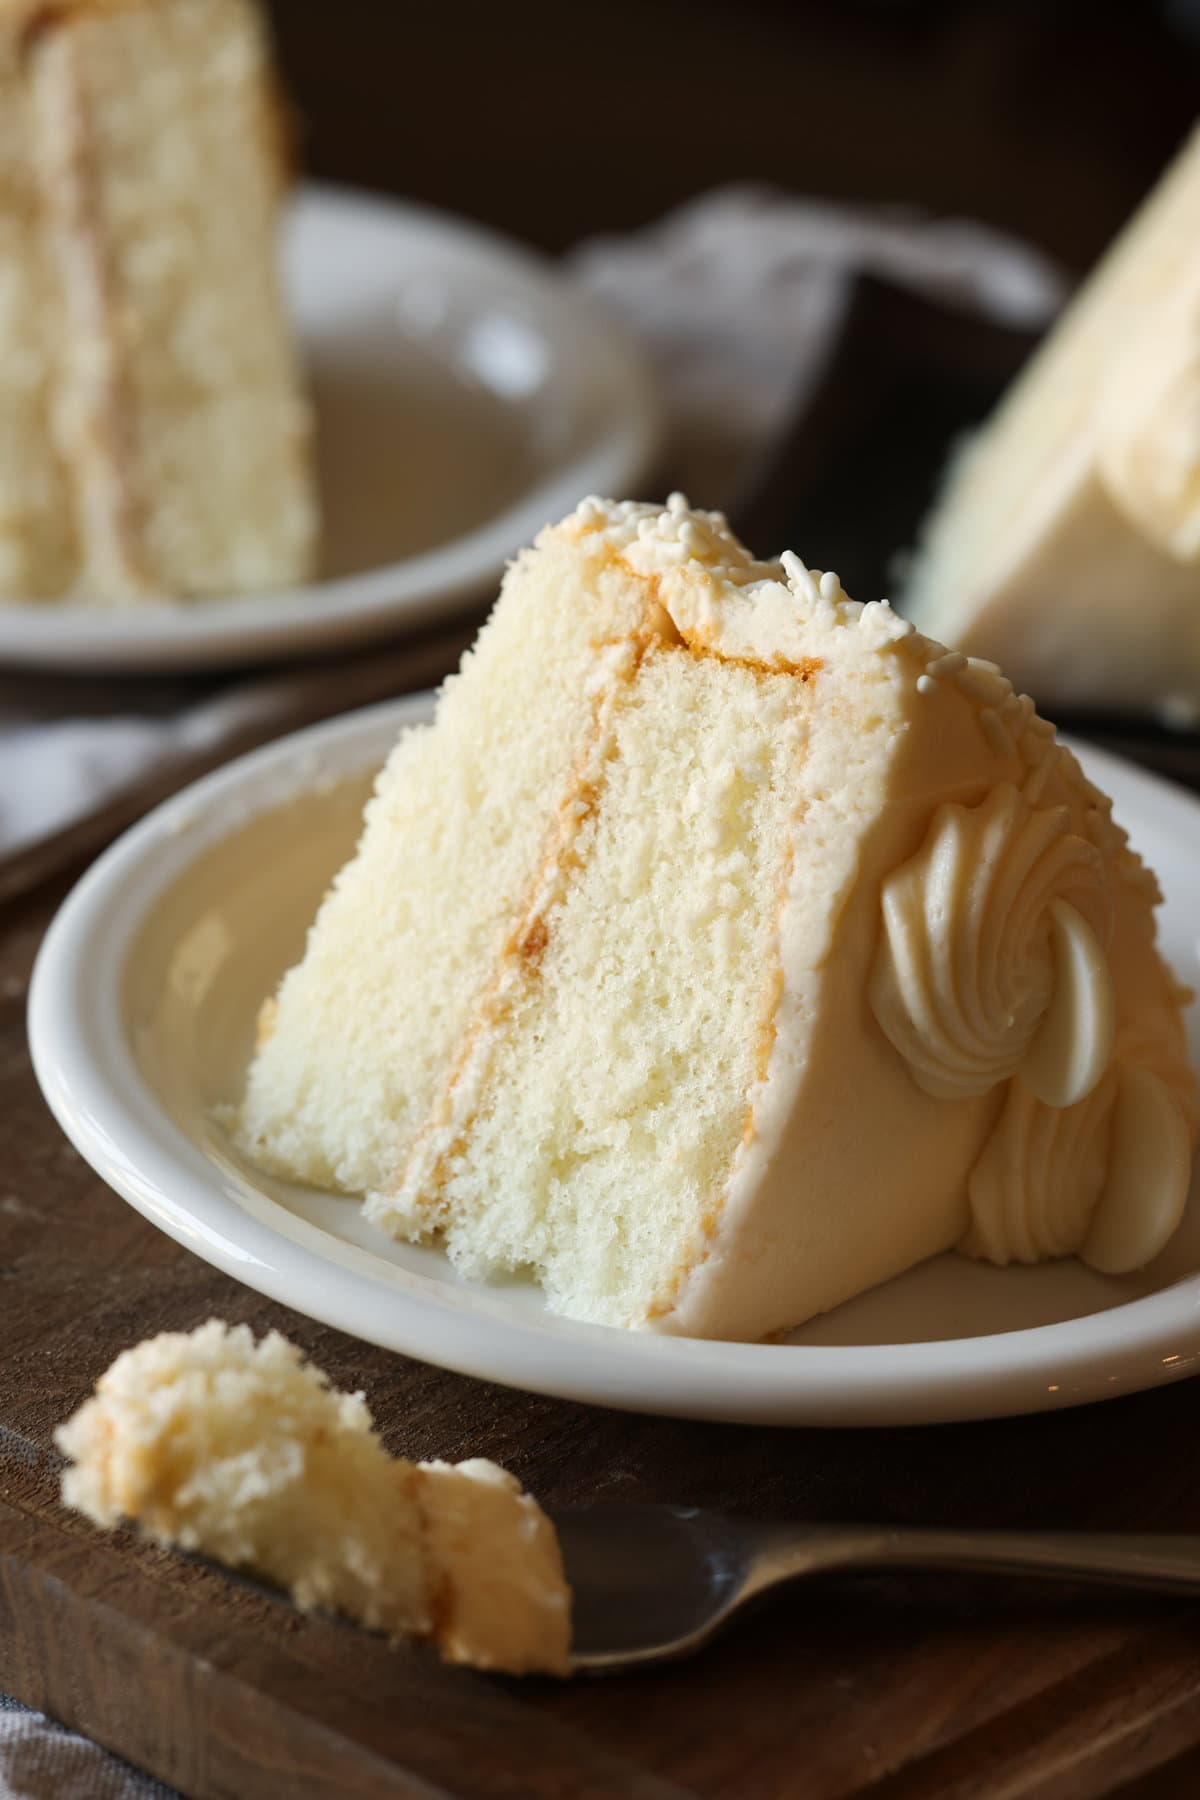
x: 883, y: 1688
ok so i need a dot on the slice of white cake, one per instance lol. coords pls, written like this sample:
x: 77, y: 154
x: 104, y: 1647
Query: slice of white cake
x: 244, y: 1452
x: 724, y: 948
x: 1066, y: 543
x: 154, y: 434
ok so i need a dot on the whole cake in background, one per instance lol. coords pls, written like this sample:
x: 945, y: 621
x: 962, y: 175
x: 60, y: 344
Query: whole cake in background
x: 724, y: 948
x: 154, y: 433
x: 243, y: 1451
x: 1066, y: 543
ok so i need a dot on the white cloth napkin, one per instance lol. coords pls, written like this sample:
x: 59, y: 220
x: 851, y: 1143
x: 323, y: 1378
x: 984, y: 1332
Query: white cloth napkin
x: 40, y: 1760
x: 738, y: 296
x: 736, y: 299
x: 80, y: 758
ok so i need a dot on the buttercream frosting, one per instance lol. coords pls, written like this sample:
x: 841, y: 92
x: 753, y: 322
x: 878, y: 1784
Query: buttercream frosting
x: 1066, y: 540
x: 1106, y: 1178
x: 993, y: 953
x: 1148, y: 430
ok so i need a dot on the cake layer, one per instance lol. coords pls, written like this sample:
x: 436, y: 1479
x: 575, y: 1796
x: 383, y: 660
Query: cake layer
x: 666, y: 919
x: 140, y: 180
x: 219, y: 1444
x: 467, y: 820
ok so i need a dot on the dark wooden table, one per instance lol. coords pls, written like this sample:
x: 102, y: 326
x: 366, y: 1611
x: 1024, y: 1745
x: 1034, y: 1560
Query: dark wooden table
x: 881, y: 1687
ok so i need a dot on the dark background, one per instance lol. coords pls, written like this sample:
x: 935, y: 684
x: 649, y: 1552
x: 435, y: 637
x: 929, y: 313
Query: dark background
x: 552, y: 121
x: 1049, y: 119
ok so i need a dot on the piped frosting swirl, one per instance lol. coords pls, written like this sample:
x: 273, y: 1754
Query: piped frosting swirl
x: 1105, y: 1179
x: 993, y: 953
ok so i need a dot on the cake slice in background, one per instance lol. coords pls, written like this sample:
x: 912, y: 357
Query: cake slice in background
x: 154, y: 433
x: 724, y: 948
x: 243, y: 1451
x: 1066, y: 542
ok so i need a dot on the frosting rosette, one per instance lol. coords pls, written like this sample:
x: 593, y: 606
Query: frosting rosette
x: 993, y: 955
x: 1105, y: 1179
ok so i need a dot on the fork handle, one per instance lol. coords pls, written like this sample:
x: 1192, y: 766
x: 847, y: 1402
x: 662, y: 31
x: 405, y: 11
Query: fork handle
x: 1148, y: 1560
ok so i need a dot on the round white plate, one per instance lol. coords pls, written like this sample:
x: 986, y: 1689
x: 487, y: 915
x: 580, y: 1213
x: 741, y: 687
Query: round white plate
x: 465, y: 396
x: 141, y: 1022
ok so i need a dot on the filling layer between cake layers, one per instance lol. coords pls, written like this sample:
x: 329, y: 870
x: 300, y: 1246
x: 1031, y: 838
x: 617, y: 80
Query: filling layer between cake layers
x: 361, y: 1041
x: 633, y: 1012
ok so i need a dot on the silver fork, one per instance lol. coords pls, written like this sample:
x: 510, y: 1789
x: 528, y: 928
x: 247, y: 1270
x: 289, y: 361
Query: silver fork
x: 651, y: 1583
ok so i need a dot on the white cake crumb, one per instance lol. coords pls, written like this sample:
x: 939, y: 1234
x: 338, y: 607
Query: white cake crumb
x: 243, y: 1452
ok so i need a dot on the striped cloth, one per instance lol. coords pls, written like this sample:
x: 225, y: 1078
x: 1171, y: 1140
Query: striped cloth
x: 40, y: 1760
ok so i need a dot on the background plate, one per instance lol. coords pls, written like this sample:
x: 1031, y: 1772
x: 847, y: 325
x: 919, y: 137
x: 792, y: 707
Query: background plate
x: 141, y: 1022
x: 465, y: 396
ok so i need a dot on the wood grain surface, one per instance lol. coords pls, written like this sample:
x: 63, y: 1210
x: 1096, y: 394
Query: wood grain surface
x: 881, y: 1687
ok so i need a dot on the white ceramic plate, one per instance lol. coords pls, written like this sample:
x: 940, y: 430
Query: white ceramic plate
x: 141, y: 1020
x: 465, y: 396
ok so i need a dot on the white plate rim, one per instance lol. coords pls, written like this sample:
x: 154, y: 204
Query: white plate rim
x: 116, y: 1124
x: 349, y: 609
